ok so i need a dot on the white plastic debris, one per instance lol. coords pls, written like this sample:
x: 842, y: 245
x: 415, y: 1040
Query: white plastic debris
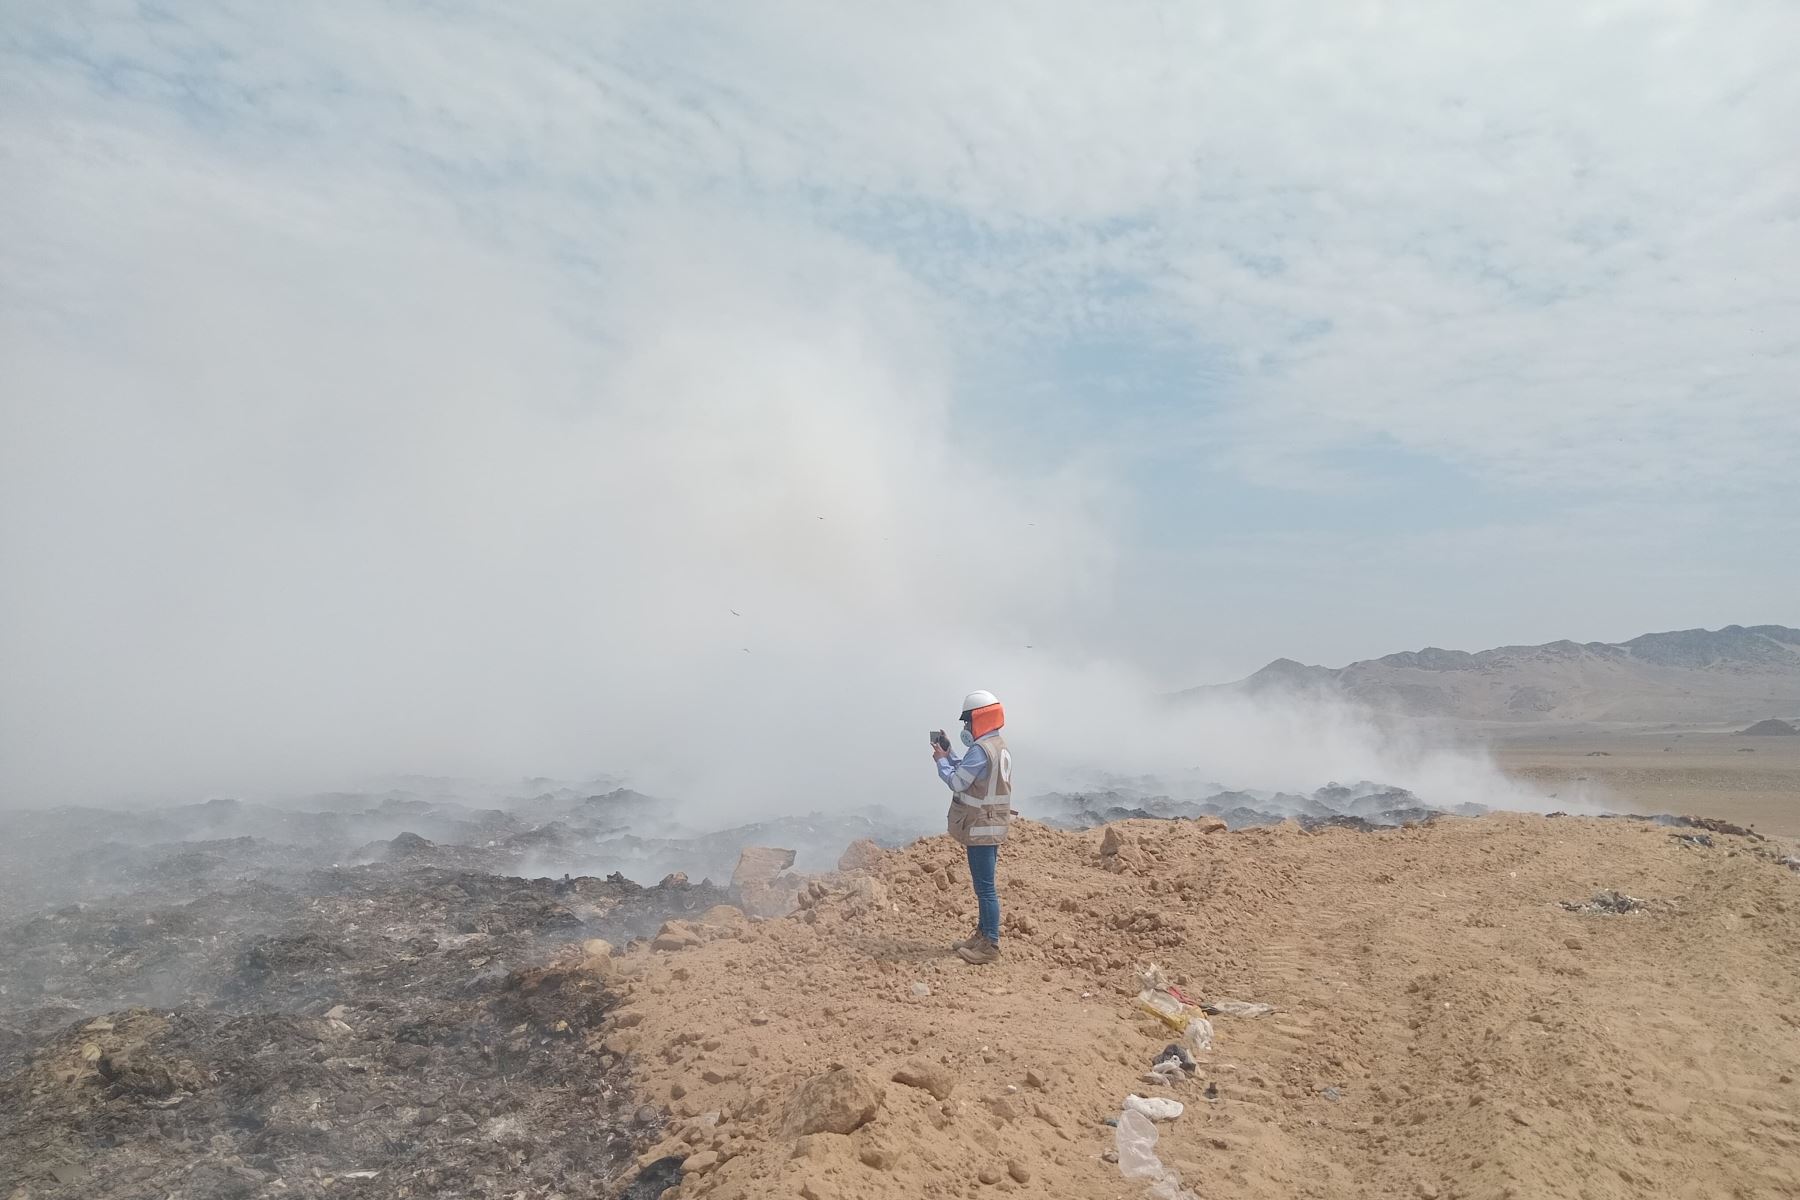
x: 1198, y: 1035
x: 1135, y: 1143
x: 1237, y: 1008
x: 1167, y: 1071
x: 1155, y: 1107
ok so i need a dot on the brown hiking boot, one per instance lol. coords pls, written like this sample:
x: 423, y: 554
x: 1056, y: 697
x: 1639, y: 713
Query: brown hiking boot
x: 967, y: 942
x: 980, y: 954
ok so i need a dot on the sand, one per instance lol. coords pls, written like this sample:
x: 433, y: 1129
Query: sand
x: 1748, y: 780
x: 1477, y: 1039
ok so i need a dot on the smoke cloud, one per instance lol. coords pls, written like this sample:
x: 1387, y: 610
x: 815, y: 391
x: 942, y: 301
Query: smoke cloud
x: 305, y: 485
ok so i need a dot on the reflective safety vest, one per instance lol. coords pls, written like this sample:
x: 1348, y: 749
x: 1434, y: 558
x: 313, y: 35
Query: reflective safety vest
x: 980, y: 813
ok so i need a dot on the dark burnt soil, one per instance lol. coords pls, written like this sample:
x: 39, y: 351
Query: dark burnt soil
x: 362, y: 1032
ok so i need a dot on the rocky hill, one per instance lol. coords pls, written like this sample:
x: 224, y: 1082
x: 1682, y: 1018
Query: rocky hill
x: 1731, y: 676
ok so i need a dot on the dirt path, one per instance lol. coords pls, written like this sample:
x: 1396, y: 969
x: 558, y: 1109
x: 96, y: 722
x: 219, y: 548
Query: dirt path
x: 1445, y: 1028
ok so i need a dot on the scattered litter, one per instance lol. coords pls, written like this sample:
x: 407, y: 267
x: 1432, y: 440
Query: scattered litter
x: 1694, y: 839
x: 1198, y: 1035
x: 1167, y: 1071
x: 1135, y: 1142
x: 1165, y: 1008
x: 1606, y: 901
x: 921, y: 990
x: 1791, y: 862
x: 1177, y: 1053
x: 1237, y: 1008
x: 1155, y: 1107
x: 1331, y: 1094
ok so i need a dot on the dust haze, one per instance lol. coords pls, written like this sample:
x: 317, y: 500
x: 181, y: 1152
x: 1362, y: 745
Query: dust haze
x: 320, y: 496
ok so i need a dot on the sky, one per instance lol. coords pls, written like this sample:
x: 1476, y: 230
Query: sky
x: 476, y: 386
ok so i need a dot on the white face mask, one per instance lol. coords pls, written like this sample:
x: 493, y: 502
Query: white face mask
x: 968, y: 738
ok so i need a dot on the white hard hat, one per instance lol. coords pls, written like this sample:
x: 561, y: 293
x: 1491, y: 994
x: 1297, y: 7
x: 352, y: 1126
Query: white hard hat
x: 975, y: 700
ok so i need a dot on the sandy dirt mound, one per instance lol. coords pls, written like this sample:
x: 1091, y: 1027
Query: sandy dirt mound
x: 1444, y: 1026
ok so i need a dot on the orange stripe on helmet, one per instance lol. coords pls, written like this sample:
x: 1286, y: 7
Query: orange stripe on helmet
x: 984, y: 721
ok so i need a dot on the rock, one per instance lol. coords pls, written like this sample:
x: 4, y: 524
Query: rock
x: 921, y: 990
x: 813, y: 1190
x: 988, y: 1175
x: 675, y: 935
x: 340, y: 1012
x: 866, y: 894
x: 1019, y: 1171
x: 930, y: 1077
x: 725, y: 917
x: 1004, y: 1109
x: 597, y: 959
x: 838, y: 1101
x: 761, y: 887
x: 881, y: 1158
x: 861, y: 855
x: 760, y: 864
x: 674, y: 879
x: 701, y: 1163
x: 1033, y: 1079
x: 1111, y: 842
x: 645, y: 1115
x: 1210, y: 825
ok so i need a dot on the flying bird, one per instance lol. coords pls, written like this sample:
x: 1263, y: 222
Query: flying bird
x: 736, y: 613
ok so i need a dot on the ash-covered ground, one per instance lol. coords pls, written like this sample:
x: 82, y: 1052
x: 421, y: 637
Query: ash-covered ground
x: 371, y: 995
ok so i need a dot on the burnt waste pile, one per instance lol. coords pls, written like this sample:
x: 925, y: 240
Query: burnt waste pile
x: 350, y: 997
x: 1363, y: 806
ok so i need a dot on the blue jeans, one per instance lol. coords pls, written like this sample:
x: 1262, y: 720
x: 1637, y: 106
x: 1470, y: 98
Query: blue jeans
x: 983, y: 862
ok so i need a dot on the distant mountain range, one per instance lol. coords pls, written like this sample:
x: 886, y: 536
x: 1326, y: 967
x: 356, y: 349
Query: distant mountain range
x: 1700, y: 676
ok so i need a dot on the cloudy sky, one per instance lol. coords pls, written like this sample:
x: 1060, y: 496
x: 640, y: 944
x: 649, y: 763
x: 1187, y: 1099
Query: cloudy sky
x: 386, y: 380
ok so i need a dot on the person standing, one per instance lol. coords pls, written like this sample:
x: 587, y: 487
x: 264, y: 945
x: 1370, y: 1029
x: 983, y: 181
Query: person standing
x: 980, y: 811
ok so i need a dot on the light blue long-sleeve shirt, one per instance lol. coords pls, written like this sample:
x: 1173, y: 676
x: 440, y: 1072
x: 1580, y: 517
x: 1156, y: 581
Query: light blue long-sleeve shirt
x: 960, y: 773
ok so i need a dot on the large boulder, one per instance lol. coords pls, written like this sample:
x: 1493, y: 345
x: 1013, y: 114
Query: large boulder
x: 861, y: 855
x: 761, y: 887
x: 839, y: 1101
x: 760, y: 864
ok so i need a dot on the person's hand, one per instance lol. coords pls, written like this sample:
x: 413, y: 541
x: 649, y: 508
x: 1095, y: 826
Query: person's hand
x: 938, y: 751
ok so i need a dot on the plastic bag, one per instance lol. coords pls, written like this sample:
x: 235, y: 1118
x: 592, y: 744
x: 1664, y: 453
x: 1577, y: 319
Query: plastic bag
x: 1156, y: 1108
x: 1165, y: 1070
x: 1164, y: 1008
x: 1135, y: 1142
x: 1238, y: 1008
x: 1198, y: 1034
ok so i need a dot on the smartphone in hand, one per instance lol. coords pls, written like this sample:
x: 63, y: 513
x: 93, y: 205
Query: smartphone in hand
x: 940, y: 740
